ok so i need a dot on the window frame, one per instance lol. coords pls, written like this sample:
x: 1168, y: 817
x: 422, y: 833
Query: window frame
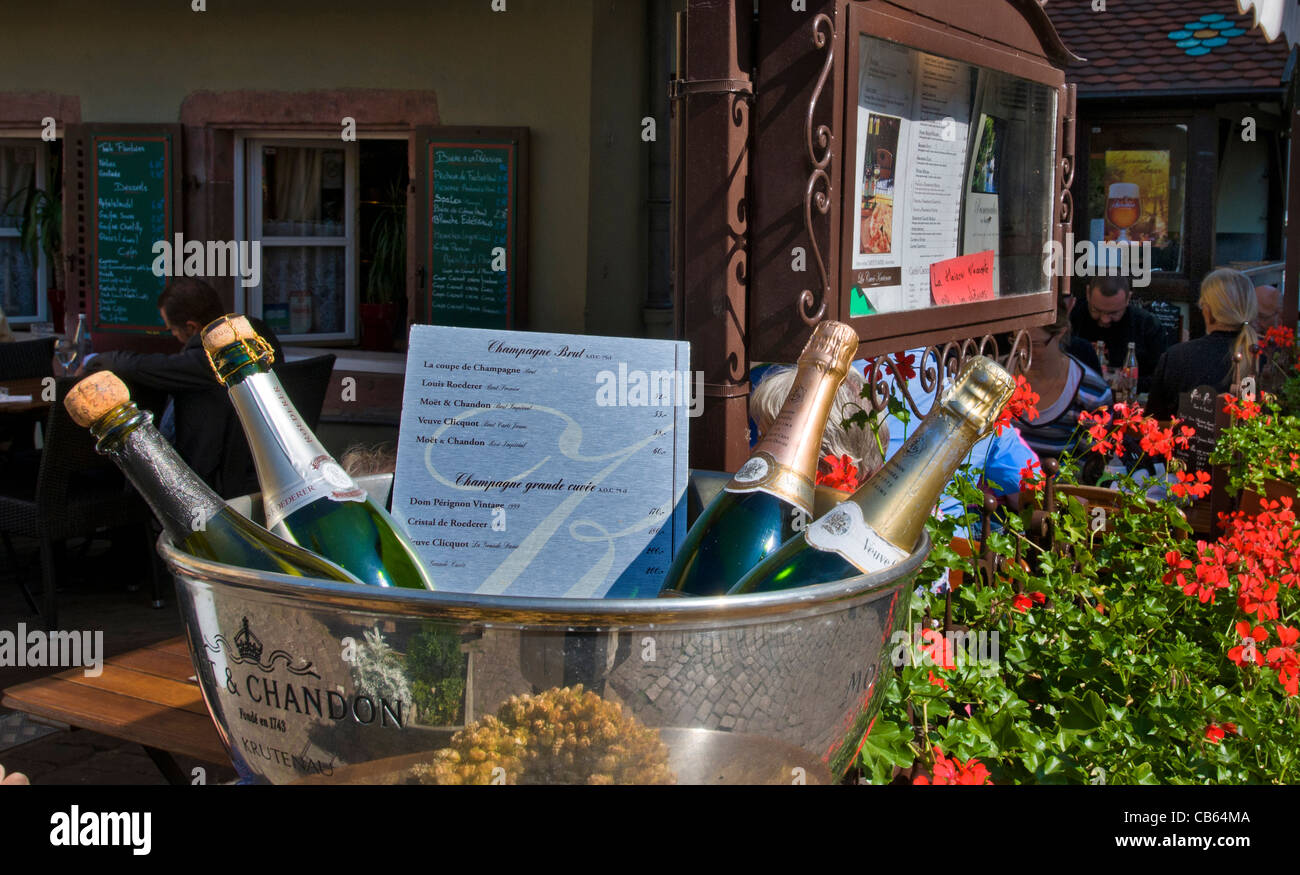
x: 248, y: 224
x: 8, y: 138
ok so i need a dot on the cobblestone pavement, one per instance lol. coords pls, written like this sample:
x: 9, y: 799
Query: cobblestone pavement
x: 94, y: 599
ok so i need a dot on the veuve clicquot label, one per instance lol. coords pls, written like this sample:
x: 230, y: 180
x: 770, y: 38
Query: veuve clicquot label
x: 763, y: 473
x: 845, y: 532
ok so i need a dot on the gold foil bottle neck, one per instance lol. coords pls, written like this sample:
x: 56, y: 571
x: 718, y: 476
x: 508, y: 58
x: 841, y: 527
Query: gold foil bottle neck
x: 225, y: 330
x: 979, y: 393
x: 832, y: 345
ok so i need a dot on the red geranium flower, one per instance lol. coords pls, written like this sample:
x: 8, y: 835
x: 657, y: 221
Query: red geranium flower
x: 954, y: 771
x: 1213, y: 733
x: 1196, y: 485
x: 902, y: 366
x: 1278, y: 337
x: 938, y: 681
x: 843, y: 474
x: 940, y: 649
x: 1239, y: 408
x: 1021, y: 603
x: 1021, y: 406
x: 1031, y: 480
x: 1247, y: 651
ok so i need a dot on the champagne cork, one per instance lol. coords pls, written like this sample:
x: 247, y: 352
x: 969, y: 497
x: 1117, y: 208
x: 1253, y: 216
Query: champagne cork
x: 228, y: 329
x: 94, y: 396
x: 833, y: 344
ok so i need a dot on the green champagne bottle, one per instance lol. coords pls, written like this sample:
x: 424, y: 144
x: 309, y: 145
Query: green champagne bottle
x: 879, y: 525
x: 195, y: 517
x: 308, y: 497
x: 771, y: 497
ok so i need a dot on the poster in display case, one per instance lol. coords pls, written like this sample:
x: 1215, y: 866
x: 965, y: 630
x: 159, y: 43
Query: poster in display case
x: 950, y: 166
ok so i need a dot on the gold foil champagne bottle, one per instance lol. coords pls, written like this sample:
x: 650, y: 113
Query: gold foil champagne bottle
x: 195, y: 517
x: 771, y: 497
x: 309, y: 498
x: 879, y: 525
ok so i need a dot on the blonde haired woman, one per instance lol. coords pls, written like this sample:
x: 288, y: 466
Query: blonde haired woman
x: 1231, y: 313
x: 837, y: 440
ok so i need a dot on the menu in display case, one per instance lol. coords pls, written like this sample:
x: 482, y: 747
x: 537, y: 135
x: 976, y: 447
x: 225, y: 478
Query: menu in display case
x: 943, y: 149
x: 913, y: 123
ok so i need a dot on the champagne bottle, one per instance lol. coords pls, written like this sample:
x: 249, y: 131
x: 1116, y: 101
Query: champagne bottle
x: 771, y: 497
x: 195, y: 517
x: 308, y: 497
x: 879, y: 525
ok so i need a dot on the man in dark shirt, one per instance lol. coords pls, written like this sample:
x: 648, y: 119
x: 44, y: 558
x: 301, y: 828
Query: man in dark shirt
x: 1107, y: 313
x: 208, y: 435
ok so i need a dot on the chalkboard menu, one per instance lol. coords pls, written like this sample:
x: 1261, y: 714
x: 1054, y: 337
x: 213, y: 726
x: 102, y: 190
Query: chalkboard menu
x: 1171, y: 317
x: 131, y: 209
x: 474, y: 253
x: 1199, y: 408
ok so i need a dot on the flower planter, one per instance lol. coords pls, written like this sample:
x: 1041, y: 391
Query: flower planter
x: 1273, y: 490
x: 1100, y: 496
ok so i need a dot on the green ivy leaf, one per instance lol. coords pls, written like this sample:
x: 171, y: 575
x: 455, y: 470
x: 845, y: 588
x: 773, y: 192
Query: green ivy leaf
x: 1083, y: 715
x: 888, y: 745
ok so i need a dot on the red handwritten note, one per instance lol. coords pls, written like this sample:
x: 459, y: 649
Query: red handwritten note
x: 963, y: 279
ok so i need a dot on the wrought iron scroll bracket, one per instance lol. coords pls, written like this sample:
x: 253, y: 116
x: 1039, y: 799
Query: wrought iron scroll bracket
x: 1065, y: 209
x: 812, y: 306
x: 935, y: 368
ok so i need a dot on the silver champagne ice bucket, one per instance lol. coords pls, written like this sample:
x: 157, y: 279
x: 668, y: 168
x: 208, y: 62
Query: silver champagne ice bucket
x: 316, y: 681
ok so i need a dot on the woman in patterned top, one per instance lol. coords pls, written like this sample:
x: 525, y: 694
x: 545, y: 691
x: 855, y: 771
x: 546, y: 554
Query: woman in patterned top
x: 1065, y: 385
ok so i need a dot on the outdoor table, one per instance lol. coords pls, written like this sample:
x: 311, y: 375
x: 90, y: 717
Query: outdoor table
x: 32, y: 386
x: 148, y: 696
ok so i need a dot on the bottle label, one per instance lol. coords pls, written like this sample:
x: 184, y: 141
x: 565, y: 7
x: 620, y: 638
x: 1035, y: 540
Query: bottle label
x: 323, y: 478
x: 292, y: 466
x: 762, y: 473
x: 845, y: 532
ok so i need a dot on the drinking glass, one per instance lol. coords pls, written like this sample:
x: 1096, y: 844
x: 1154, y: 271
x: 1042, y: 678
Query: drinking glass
x: 65, y: 351
x: 1123, y: 206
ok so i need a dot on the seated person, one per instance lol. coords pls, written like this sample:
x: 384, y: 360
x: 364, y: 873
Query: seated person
x: 857, y: 443
x: 1269, y: 301
x: 1065, y: 386
x: 996, y: 459
x: 207, y: 433
x: 1230, y: 310
x: 1111, y: 316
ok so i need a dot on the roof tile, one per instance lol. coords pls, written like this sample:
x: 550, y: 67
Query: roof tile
x: 1128, y: 47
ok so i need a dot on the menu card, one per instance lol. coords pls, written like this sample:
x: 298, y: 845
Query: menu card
x: 545, y: 465
x: 913, y: 124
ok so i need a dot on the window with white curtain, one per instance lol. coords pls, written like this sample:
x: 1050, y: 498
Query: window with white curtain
x: 301, y: 206
x: 22, y: 283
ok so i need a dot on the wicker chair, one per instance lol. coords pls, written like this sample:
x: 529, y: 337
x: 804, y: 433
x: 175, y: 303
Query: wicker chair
x: 76, y: 493
x: 23, y: 359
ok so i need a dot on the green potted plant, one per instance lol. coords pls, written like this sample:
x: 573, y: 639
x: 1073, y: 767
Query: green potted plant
x: 1262, y: 451
x: 386, y: 279
x: 41, y: 230
x: 1125, y: 653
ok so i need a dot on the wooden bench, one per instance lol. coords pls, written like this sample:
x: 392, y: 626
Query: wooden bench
x: 148, y: 696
